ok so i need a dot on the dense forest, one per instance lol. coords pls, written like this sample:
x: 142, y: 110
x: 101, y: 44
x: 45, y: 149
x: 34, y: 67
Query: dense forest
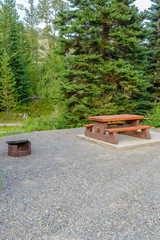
x: 90, y: 58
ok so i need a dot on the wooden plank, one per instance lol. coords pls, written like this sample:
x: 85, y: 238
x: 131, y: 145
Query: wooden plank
x: 124, y: 128
x: 121, y: 117
x: 88, y: 126
x: 116, y: 123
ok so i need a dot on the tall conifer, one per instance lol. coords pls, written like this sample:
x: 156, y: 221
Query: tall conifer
x: 153, y: 68
x: 103, y: 44
x: 32, y: 44
x: 8, y: 95
x: 45, y: 13
x: 10, y: 31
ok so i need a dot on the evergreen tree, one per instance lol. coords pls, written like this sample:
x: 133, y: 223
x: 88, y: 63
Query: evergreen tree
x: 153, y: 67
x: 8, y: 96
x: 10, y: 31
x: 103, y: 44
x: 52, y: 71
x: 45, y: 14
x: 57, y: 6
x: 32, y: 44
x: 31, y: 21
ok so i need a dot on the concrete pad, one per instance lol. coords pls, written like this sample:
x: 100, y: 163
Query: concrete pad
x: 125, y: 141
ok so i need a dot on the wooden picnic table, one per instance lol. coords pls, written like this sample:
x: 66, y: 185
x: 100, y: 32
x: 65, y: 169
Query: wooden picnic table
x: 105, y: 128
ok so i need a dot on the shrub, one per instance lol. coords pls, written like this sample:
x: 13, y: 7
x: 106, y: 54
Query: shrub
x: 154, y: 116
x: 45, y: 123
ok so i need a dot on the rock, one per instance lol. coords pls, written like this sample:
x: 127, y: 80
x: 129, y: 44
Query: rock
x: 25, y: 116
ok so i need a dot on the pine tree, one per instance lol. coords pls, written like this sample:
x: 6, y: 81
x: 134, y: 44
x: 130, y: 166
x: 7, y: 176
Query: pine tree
x: 103, y: 44
x: 32, y: 44
x: 31, y: 21
x: 10, y: 31
x: 45, y: 13
x: 153, y: 66
x: 57, y: 6
x: 52, y: 71
x: 8, y: 95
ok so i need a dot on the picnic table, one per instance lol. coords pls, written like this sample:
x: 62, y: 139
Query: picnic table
x: 105, y: 128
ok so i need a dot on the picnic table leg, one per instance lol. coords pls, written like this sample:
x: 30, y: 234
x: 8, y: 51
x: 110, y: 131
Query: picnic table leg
x: 132, y: 122
x: 98, y: 132
x: 144, y: 133
x: 112, y: 138
x: 88, y: 131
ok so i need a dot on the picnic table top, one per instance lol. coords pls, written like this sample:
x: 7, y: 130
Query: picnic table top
x: 115, y: 117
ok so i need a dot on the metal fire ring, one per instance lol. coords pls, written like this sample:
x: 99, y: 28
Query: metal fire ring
x: 19, y: 148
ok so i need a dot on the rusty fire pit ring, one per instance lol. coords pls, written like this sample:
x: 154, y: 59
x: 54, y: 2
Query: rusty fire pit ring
x: 19, y: 148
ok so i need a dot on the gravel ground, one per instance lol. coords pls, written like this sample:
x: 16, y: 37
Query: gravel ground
x: 72, y: 189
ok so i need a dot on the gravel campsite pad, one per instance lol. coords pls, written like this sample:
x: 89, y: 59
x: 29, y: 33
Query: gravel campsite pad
x: 69, y: 188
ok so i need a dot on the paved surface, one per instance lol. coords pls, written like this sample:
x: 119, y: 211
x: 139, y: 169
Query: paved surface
x: 125, y: 141
x: 72, y: 189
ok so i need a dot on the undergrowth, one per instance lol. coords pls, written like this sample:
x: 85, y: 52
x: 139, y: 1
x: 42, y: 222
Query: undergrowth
x: 153, y: 117
x: 44, y: 123
x: 48, y: 121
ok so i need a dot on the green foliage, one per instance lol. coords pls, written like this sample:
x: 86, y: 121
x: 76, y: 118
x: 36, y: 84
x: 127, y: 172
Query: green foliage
x: 102, y: 68
x: 45, y: 123
x: 10, y: 32
x: 31, y: 53
x: 153, y: 44
x: 8, y: 95
x: 154, y: 116
x: 37, y: 108
x: 51, y: 70
x: 105, y: 58
x: 11, y: 117
x: 45, y: 13
x: 6, y: 131
x: 10, y: 128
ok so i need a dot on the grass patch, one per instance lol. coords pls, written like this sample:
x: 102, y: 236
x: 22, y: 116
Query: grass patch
x: 10, y: 117
x: 41, y: 123
x: 44, y: 123
x: 42, y: 116
x: 10, y: 130
x: 33, y: 109
x: 10, y: 133
x: 36, y: 124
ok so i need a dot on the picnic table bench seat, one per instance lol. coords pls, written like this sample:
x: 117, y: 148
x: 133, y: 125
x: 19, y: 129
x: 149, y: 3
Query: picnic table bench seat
x: 126, y: 128
x: 111, y: 123
x: 88, y: 125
